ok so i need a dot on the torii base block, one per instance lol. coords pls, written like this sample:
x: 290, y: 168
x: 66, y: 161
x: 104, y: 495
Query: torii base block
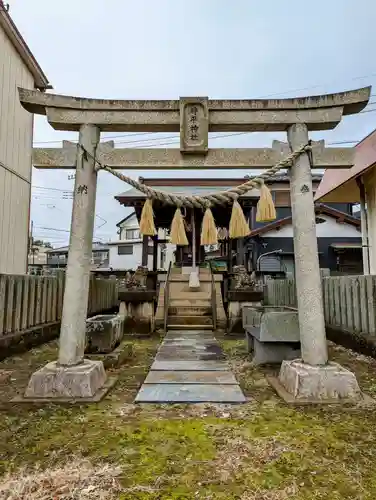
x: 86, y: 382
x: 301, y: 383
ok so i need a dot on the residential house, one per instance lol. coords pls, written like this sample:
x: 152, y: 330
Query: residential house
x: 19, y: 68
x: 37, y: 258
x: 126, y: 253
x: 271, y: 248
x: 338, y: 240
x: 58, y: 257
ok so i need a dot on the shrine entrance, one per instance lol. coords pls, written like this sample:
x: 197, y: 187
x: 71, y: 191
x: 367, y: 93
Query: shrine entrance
x: 194, y: 118
x: 232, y: 251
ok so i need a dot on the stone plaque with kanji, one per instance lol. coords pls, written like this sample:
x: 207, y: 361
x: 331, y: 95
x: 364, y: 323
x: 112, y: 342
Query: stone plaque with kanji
x: 194, y: 125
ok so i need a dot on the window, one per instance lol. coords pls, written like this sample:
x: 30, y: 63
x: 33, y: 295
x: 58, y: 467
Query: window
x: 319, y: 220
x: 132, y: 234
x: 125, y: 249
x: 99, y: 256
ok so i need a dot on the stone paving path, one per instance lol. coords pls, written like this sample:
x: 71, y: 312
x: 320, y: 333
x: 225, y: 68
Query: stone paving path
x: 190, y: 367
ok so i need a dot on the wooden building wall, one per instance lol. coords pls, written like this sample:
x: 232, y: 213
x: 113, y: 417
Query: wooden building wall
x: 16, y: 132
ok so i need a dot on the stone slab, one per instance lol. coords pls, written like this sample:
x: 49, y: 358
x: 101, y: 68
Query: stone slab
x: 188, y: 333
x: 188, y: 344
x: 196, y: 340
x: 189, y: 356
x: 172, y: 365
x: 175, y: 352
x: 98, y: 396
x: 190, y: 393
x: 199, y: 377
x: 117, y: 357
x: 197, y: 347
x: 192, y: 342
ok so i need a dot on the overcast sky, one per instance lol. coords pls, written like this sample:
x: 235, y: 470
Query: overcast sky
x: 163, y: 49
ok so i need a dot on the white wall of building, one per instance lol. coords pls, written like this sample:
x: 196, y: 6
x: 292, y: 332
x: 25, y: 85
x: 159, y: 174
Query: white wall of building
x: 130, y: 224
x: 129, y: 261
x: 328, y: 229
x: 132, y: 261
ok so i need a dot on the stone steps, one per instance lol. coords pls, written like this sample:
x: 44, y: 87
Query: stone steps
x: 194, y: 295
x: 189, y: 310
x: 189, y: 327
x: 190, y: 320
x: 195, y: 303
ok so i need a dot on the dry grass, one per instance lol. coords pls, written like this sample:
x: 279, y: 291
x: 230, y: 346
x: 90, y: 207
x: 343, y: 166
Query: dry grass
x: 262, y: 494
x: 262, y: 450
x: 76, y: 480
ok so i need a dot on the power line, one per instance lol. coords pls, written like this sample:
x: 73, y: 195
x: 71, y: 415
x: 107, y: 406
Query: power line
x: 52, y: 189
x: 104, y: 137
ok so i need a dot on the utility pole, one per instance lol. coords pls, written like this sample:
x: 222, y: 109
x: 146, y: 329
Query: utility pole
x: 31, y: 241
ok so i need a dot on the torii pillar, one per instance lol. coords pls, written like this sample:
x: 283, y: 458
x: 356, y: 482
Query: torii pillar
x: 311, y: 378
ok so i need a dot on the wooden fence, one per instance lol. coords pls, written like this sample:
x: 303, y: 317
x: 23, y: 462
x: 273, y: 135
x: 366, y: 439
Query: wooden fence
x: 29, y: 301
x: 349, y: 301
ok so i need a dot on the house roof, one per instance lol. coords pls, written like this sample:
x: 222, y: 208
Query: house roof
x: 320, y: 209
x: 132, y: 214
x: 18, y: 42
x: 96, y: 247
x: 341, y: 185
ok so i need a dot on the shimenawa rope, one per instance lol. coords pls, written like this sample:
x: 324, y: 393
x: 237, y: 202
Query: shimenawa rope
x: 192, y: 201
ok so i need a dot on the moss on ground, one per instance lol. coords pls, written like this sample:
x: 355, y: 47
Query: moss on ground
x: 260, y: 450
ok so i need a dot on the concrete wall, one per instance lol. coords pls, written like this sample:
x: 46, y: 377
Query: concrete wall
x: 16, y: 132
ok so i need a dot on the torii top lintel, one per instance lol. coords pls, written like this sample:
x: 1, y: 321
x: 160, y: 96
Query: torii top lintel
x: 321, y: 112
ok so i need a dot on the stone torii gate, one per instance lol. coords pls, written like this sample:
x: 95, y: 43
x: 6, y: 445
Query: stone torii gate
x: 73, y: 377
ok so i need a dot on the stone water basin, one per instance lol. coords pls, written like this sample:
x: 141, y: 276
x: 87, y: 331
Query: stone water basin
x: 272, y: 333
x: 103, y: 333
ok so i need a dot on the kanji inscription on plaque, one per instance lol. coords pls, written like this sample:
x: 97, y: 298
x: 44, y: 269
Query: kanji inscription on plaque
x: 194, y: 125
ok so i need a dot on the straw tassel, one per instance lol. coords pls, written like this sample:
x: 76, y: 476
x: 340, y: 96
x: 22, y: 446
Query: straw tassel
x: 147, y: 226
x: 209, y: 233
x: 265, y: 206
x: 238, y: 224
x: 177, y: 232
